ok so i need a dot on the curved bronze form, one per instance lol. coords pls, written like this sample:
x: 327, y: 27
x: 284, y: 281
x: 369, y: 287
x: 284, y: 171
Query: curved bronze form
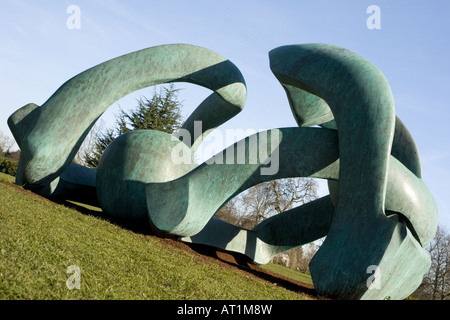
x: 379, y: 213
x: 49, y: 136
x: 361, y: 233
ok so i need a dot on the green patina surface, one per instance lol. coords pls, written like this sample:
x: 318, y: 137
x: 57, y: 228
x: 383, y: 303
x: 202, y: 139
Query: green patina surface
x: 49, y: 136
x: 379, y: 212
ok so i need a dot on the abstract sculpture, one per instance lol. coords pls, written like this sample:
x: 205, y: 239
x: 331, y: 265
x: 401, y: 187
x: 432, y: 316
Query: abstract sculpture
x: 379, y: 213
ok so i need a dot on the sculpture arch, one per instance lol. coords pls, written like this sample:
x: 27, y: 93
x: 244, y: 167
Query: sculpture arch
x: 379, y: 211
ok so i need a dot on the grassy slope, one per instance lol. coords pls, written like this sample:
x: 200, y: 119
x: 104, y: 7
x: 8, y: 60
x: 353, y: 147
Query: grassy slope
x: 289, y: 273
x: 39, y: 240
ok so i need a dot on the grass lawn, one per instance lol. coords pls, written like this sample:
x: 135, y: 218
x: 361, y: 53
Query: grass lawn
x: 288, y: 272
x: 40, y: 240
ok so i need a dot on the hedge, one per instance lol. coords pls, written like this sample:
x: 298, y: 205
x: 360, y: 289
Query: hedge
x: 7, y: 166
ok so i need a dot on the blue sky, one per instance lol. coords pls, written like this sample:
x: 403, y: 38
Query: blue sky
x: 39, y: 53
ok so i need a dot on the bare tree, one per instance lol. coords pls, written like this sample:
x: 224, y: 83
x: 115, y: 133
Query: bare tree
x: 230, y: 213
x: 436, y: 284
x: 267, y: 199
x: 6, y: 143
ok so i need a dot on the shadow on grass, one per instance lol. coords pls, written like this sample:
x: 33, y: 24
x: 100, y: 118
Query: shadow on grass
x: 243, y: 263
x: 231, y: 259
x: 141, y: 227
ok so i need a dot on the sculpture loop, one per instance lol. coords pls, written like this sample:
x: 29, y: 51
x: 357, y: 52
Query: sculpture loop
x: 379, y: 213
